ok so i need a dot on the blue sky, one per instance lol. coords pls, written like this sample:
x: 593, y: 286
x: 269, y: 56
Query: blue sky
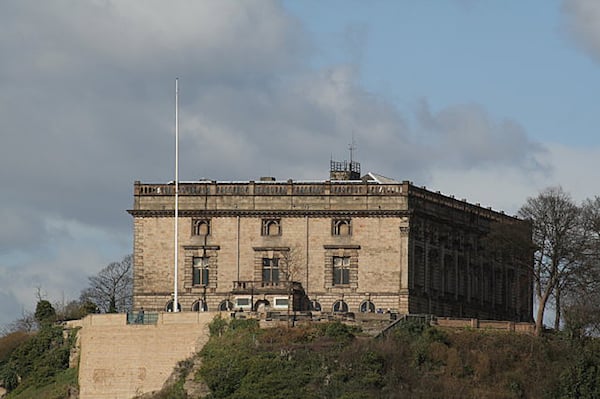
x: 513, y: 57
x: 486, y: 100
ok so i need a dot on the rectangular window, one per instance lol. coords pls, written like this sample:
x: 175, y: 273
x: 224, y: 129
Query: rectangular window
x: 281, y: 303
x: 200, y: 270
x: 242, y: 303
x: 341, y: 270
x: 270, y: 270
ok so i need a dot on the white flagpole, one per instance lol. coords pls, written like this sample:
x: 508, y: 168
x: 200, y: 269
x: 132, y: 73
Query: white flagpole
x: 176, y: 233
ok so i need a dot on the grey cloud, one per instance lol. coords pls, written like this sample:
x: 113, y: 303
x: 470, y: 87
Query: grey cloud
x: 63, y: 275
x: 465, y: 136
x: 582, y: 21
x: 86, y: 108
x: 87, y: 91
x: 10, y: 309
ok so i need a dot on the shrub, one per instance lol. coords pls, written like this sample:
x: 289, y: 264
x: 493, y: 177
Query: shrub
x: 44, y: 312
x: 37, y: 360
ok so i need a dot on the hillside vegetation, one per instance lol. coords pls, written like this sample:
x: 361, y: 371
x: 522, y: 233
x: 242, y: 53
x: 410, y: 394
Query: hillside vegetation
x: 35, y: 365
x: 334, y: 361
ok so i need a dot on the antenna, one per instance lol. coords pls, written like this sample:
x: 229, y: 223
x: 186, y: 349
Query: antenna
x: 352, y: 147
x: 175, y: 278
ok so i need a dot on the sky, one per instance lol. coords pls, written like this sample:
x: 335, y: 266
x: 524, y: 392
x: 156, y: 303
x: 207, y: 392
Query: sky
x: 492, y: 101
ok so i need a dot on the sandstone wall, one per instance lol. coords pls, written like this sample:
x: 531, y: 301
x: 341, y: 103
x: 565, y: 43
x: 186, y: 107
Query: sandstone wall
x: 379, y: 255
x: 121, y: 361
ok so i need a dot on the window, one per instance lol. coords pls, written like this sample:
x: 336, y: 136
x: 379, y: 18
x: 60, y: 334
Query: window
x: 225, y: 306
x: 271, y: 227
x: 169, y: 307
x: 200, y: 270
x: 270, y: 270
x: 200, y: 227
x: 315, y: 306
x: 341, y: 270
x: 281, y: 303
x: 341, y: 227
x: 367, y: 307
x: 199, y: 306
x: 242, y: 303
x: 340, y: 307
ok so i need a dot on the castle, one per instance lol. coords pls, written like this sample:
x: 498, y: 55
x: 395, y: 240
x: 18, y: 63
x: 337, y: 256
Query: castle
x: 348, y: 244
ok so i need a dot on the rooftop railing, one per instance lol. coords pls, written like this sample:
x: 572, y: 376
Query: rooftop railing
x: 272, y: 189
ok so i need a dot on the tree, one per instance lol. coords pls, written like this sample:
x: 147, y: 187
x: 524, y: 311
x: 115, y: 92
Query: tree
x: 26, y: 323
x: 293, y: 263
x: 559, y: 239
x: 44, y: 312
x: 582, y: 299
x: 112, y: 288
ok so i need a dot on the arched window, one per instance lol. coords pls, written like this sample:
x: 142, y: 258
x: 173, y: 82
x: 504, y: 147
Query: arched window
x: 200, y: 306
x: 169, y: 306
x: 340, y: 307
x: 261, y: 305
x: 271, y: 227
x: 341, y: 227
x: 200, y: 227
x: 226, y: 306
x: 367, y: 307
x: 315, y: 306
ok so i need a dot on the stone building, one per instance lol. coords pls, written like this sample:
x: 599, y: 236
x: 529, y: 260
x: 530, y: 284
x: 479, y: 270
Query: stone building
x: 348, y: 244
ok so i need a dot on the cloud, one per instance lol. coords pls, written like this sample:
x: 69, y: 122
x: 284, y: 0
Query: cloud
x: 507, y: 187
x: 465, y: 136
x: 583, y: 23
x: 59, y: 277
x: 86, y: 108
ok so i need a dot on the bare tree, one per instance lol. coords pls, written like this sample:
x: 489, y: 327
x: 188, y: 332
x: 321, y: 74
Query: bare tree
x: 582, y: 299
x: 112, y: 288
x: 293, y: 263
x: 26, y: 323
x: 559, y: 240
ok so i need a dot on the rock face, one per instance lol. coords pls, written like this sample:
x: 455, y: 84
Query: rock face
x: 195, y: 389
x: 119, y: 360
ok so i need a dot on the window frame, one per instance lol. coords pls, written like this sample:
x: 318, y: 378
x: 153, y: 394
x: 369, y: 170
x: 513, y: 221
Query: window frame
x: 201, y: 273
x: 272, y: 267
x: 341, y: 270
x: 268, y: 224
x: 277, y: 305
x: 340, y: 306
x: 367, y: 306
x: 243, y: 302
x: 226, y: 306
x: 336, y: 227
x: 196, y: 227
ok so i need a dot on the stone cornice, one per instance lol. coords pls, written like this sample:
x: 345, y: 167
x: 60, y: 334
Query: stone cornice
x: 206, y: 247
x: 280, y: 249
x: 341, y: 246
x: 271, y: 213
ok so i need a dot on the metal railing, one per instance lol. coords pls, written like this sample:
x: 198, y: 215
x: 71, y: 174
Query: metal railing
x: 419, y: 319
x: 142, y: 317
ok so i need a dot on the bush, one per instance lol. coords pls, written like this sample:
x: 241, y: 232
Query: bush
x: 37, y: 360
x: 44, y: 312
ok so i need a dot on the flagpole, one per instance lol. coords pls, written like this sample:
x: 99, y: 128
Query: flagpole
x: 176, y: 233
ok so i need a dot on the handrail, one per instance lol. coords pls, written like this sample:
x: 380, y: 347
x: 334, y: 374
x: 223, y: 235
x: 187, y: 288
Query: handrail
x: 142, y: 317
